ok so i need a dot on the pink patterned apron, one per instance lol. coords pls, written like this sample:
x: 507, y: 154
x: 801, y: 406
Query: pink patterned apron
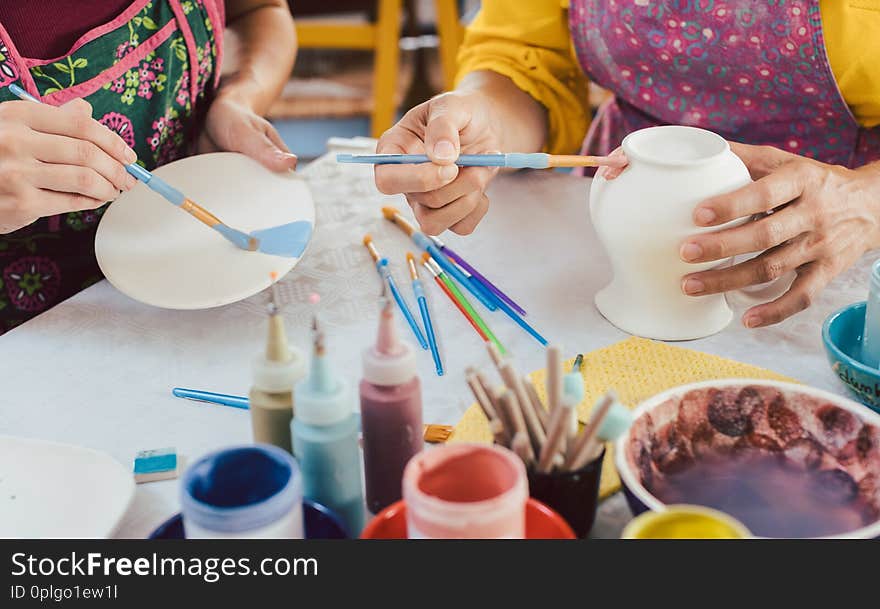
x: 754, y: 71
x: 149, y: 75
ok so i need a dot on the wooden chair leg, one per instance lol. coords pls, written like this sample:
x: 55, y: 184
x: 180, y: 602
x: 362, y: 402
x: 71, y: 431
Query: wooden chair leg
x: 386, y: 66
x: 450, y: 32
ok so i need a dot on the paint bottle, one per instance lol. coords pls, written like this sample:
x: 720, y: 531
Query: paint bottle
x: 466, y: 491
x: 275, y: 374
x: 325, y: 440
x: 243, y: 492
x: 391, y: 412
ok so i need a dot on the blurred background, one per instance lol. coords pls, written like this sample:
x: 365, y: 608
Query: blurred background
x: 361, y: 61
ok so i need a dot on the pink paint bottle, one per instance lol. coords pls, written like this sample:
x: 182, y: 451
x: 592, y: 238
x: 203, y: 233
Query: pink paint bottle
x: 466, y: 491
x: 391, y: 412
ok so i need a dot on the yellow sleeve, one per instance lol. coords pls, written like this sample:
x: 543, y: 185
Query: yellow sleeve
x: 529, y: 42
x: 852, y: 40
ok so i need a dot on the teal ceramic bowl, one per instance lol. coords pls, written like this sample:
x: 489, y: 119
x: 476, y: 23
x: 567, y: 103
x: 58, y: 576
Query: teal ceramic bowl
x: 842, y: 335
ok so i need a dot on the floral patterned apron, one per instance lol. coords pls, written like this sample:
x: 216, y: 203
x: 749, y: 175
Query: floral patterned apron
x: 149, y: 75
x: 754, y: 71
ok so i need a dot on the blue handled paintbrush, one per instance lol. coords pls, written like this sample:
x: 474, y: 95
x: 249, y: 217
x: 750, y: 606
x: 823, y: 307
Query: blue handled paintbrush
x: 287, y: 240
x: 477, y: 289
x: 513, y: 160
x: 419, y: 292
x: 385, y: 273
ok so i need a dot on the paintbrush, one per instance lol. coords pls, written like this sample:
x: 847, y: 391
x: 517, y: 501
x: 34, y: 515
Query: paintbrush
x: 461, y: 301
x: 288, y: 240
x: 512, y: 160
x: 419, y: 238
x: 474, y: 275
x: 419, y: 293
x: 385, y: 274
x: 432, y: 432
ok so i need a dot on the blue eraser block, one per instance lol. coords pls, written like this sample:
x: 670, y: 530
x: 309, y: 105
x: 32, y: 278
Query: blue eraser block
x: 155, y: 464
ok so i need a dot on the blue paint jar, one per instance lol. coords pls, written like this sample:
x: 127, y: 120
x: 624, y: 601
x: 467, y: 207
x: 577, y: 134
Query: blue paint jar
x: 871, y: 335
x: 248, y: 492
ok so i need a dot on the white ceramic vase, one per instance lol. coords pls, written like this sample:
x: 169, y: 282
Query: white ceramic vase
x: 643, y: 216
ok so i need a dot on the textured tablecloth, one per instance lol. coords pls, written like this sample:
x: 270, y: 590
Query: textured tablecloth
x: 97, y: 369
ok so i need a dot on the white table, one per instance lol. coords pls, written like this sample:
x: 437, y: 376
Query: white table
x: 97, y: 369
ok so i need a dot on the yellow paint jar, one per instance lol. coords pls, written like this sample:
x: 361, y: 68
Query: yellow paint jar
x: 685, y: 522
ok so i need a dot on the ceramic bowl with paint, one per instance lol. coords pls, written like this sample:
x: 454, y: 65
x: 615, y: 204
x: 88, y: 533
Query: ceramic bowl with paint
x: 466, y: 491
x: 685, y: 522
x: 251, y: 492
x: 643, y: 216
x: 842, y: 335
x: 541, y: 523
x: 786, y: 460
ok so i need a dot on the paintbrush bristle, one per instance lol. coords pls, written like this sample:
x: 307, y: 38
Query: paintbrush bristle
x: 426, y: 256
x: 367, y: 239
x: 389, y: 213
x: 437, y: 434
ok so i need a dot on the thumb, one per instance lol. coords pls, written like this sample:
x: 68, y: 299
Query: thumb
x: 760, y: 160
x: 268, y: 149
x: 448, y: 115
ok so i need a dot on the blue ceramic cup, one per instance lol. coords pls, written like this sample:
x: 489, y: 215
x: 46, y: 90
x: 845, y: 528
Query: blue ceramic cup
x: 250, y: 491
x: 842, y: 335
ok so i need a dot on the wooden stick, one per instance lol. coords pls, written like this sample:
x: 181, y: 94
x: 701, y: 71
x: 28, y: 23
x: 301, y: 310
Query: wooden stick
x: 515, y: 384
x: 496, y: 424
x: 579, y: 452
x: 509, y: 403
x: 522, y: 447
x: 559, y: 421
x: 543, y: 414
x: 480, y: 394
x: 493, y: 395
x: 498, y: 433
x: 494, y: 354
x: 554, y: 377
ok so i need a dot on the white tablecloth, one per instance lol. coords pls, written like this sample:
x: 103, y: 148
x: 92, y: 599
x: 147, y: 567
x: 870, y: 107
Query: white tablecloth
x: 97, y: 369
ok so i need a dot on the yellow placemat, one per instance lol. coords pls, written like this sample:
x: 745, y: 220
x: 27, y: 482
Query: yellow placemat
x: 636, y: 369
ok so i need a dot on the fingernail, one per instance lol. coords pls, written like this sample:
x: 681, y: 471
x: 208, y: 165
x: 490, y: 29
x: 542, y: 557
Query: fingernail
x: 444, y: 150
x: 693, y: 286
x: 752, y: 321
x: 130, y: 182
x: 448, y: 172
x: 705, y: 215
x: 130, y: 155
x: 690, y: 251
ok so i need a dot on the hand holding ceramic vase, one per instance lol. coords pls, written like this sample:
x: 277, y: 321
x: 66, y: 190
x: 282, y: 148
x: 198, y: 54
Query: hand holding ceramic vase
x: 643, y: 216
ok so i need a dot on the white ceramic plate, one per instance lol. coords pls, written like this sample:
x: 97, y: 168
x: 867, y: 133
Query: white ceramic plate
x: 157, y: 254
x: 50, y: 490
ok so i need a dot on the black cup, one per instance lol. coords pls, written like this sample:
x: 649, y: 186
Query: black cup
x: 573, y: 495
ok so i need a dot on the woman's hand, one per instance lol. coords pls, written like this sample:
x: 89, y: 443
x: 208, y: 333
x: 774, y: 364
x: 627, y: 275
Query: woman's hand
x: 441, y: 194
x: 55, y: 160
x: 823, y: 219
x: 232, y: 125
